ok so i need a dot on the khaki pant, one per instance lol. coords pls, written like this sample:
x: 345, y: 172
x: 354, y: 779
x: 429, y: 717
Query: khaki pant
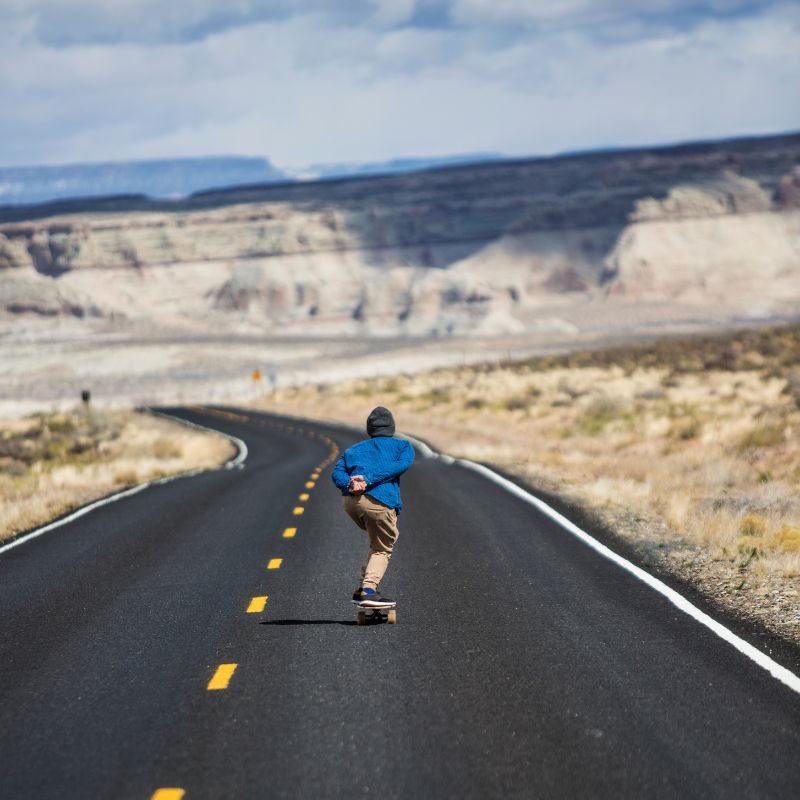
x: 380, y: 523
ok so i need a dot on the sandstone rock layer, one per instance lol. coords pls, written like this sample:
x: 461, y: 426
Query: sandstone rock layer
x: 502, y: 248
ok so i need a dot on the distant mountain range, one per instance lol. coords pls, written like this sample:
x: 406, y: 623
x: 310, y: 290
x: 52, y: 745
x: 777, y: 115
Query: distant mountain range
x: 180, y: 177
x: 395, y: 166
x: 158, y: 178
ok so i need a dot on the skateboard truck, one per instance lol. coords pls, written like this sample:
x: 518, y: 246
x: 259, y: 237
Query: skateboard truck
x: 373, y: 614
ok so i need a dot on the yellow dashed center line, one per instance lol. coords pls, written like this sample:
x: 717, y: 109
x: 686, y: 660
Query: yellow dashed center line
x: 314, y: 476
x: 289, y: 533
x: 168, y: 794
x: 222, y: 677
x: 257, y: 604
x: 303, y: 497
x: 298, y: 511
x: 310, y: 484
x: 275, y: 563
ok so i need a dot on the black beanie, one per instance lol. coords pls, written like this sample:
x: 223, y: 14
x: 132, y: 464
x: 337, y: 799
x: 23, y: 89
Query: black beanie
x: 380, y: 422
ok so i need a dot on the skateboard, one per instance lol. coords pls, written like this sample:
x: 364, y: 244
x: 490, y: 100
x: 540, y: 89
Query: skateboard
x: 365, y: 614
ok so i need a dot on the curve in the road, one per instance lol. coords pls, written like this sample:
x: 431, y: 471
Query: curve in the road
x: 237, y: 461
x: 777, y: 671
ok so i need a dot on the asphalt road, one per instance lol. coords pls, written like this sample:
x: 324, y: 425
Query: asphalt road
x: 522, y: 665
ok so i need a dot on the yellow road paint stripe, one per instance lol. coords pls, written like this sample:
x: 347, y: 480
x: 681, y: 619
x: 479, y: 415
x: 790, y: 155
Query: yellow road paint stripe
x: 310, y: 484
x: 303, y: 497
x: 222, y: 677
x: 289, y: 533
x: 298, y: 511
x: 275, y: 563
x: 168, y: 794
x: 314, y: 476
x: 257, y: 604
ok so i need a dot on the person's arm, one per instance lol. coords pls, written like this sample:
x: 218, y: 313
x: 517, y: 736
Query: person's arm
x: 394, y: 469
x: 340, y: 476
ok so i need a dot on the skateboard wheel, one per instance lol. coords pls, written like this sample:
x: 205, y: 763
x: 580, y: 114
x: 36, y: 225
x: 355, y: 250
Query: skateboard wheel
x: 361, y: 617
x: 391, y: 617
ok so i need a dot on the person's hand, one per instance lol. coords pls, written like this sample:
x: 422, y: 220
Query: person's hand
x: 357, y: 484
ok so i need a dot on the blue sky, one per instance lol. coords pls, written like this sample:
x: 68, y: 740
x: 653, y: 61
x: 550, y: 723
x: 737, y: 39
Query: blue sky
x: 308, y: 81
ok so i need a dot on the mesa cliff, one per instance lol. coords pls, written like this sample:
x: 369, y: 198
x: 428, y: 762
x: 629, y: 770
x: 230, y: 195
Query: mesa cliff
x: 514, y: 247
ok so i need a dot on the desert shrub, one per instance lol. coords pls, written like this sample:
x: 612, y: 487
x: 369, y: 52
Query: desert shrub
x: 768, y: 434
x: 436, y: 395
x: 392, y: 385
x: 786, y: 539
x: 748, y: 550
x: 686, y: 429
x: 516, y: 404
x: 126, y: 477
x: 166, y: 448
x: 599, y: 413
x: 753, y: 525
x: 792, y: 388
x: 651, y: 394
x: 475, y: 403
x: 61, y: 423
x: 670, y: 380
x: 566, y: 388
x: 723, y: 358
x: 81, y: 445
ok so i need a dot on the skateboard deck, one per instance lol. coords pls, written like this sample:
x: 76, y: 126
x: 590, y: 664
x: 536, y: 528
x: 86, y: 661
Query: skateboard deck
x: 384, y: 613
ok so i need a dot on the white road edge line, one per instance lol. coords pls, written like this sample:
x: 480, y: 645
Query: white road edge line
x: 237, y: 461
x: 782, y: 674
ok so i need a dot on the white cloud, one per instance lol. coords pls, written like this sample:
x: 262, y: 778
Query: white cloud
x: 585, y: 11
x: 307, y: 88
x: 68, y: 23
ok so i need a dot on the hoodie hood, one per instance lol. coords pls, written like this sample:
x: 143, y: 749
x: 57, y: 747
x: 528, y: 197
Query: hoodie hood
x: 380, y: 422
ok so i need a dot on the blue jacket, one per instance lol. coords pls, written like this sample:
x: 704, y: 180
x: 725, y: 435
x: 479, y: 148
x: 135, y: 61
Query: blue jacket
x: 381, y: 461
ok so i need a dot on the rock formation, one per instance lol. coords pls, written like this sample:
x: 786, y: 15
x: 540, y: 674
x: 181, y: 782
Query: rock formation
x: 500, y: 248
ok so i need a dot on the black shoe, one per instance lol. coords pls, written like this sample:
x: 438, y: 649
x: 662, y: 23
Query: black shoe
x: 369, y: 598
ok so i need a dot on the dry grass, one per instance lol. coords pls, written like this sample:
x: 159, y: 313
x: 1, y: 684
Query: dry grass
x: 687, y: 447
x: 51, y: 463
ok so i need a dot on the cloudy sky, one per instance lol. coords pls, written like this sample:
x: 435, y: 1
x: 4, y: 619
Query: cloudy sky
x: 305, y: 81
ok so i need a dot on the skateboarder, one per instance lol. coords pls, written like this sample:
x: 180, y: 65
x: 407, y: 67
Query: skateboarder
x: 368, y: 475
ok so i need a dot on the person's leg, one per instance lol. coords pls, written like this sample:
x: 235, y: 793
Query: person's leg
x: 381, y: 525
x: 354, y: 510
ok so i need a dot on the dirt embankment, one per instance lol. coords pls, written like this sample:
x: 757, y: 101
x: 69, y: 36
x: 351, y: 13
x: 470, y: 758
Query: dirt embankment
x: 687, y: 449
x: 52, y: 463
